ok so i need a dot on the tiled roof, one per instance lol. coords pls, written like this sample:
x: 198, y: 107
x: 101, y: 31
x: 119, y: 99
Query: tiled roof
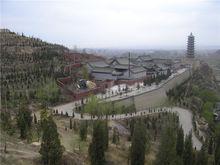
x: 98, y: 64
x: 124, y: 61
x: 137, y: 69
x: 147, y: 64
x: 162, y: 61
x: 118, y: 66
x: 102, y: 70
x: 117, y: 73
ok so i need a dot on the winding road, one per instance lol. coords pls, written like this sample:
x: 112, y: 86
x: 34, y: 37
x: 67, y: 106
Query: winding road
x: 185, y: 118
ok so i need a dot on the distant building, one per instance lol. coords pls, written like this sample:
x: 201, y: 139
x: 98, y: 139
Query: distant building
x: 190, y: 46
x: 127, y: 68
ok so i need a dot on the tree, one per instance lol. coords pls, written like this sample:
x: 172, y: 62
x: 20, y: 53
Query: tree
x: 35, y: 119
x: 210, y: 146
x: 85, y: 73
x: 71, y: 123
x: 180, y: 142
x: 126, y: 89
x: 51, y: 149
x: 83, y: 130
x: 217, y: 148
x: 6, y: 122
x: 95, y: 108
x: 92, y: 106
x: 145, y: 81
x: 188, y: 150
x: 167, y: 148
x: 115, y: 136
x: 138, y: 144
x: 97, y: 147
x: 24, y: 120
x: 106, y: 134
x: 49, y: 93
x: 131, y: 125
x: 138, y: 86
x: 6, y: 125
x: 202, y: 158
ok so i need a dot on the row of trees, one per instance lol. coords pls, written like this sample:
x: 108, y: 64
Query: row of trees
x: 100, y: 109
x: 175, y: 149
x: 51, y: 149
x: 100, y: 140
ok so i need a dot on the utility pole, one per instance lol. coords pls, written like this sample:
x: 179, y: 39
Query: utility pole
x: 129, y: 61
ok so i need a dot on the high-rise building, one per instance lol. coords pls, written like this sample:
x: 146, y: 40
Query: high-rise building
x: 190, y: 46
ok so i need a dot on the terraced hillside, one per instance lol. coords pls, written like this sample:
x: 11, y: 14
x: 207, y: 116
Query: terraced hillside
x: 26, y: 64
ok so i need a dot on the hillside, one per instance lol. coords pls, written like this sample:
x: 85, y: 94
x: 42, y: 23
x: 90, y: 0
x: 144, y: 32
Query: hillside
x: 16, y: 48
x: 26, y: 64
x: 200, y: 93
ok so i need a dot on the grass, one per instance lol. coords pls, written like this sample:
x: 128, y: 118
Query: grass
x: 208, y: 115
x: 207, y: 111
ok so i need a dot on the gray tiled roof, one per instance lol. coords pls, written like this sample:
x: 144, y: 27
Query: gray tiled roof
x: 147, y: 64
x: 118, y: 66
x: 102, y: 70
x: 98, y: 64
x: 137, y: 69
x: 124, y: 61
x: 117, y: 73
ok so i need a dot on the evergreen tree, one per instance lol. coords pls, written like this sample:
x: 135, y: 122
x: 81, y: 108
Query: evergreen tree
x: 138, y: 86
x: 24, y: 120
x: 167, y: 148
x: 83, y: 130
x: 6, y: 122
x: 51, y: 149
x: 188, y: 150
x: 138, y: 144
x: 132, y: 123
x: 97, y: 147
x: 35, y: 119
x: 115, y: 136
x: 71, y: 123
x: 180, y: 142
x: 202, y: 158
x: 106, y: 134
x: 217, y: 149
x: 210, y: 146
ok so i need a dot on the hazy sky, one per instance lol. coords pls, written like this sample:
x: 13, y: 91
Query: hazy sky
x: 115, y: 23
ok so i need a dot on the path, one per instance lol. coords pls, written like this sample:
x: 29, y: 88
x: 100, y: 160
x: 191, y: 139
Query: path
x: 185, y: 118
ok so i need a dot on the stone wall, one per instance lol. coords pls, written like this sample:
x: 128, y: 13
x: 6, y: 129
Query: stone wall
x: 155, y: 97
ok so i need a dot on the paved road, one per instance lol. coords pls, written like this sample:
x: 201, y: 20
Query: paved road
x: 185, y: 118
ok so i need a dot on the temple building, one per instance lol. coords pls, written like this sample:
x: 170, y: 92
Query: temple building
x: 127, y: 68
x: 190, y: 46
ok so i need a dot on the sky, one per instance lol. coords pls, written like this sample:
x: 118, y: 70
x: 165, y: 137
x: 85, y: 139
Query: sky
x: 136, y: 24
